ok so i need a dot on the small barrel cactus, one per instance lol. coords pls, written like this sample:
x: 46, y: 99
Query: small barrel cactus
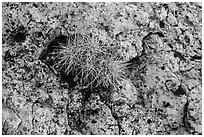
x: 93, y: 64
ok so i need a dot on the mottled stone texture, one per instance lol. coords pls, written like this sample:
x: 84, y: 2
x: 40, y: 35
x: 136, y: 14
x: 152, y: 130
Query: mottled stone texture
x: 163, y: 92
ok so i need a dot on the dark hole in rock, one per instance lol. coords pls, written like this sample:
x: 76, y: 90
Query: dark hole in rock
x: 179, y: 55
x: 49, y: 59
x: 166, y: 104
x: 35, y: 5
x: 149, y: 121
x: 54, y: 44
x: 69, y: 78
x: 19, y: 37
x: 163, y: 67
x: 94, y: 121
x: 134, y: 61
x: 38, y: 84
x: 180, y: 91
x: 161, y: 24
x: 196, y: 57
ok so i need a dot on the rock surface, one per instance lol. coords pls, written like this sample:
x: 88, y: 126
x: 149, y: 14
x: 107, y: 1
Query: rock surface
x: 161, y: 41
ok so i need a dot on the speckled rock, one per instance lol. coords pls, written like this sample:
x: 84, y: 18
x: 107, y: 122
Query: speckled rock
x: 98, y: 118
x: 162, y: 42
x: 194, y: 116
x: 10, y: 121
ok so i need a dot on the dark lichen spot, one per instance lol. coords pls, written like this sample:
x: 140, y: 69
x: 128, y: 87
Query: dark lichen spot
x: 149, y: 121
x: 106, y: 28
x: 171, y: 85
x: 38, y: 84
x: 161, y: 24
x: 39, y: 34
x: 19, y: 37
x: 165, y: 6
x: 196, y: 57
x: 71, y: 13
x: 160, y: 34
x: 170, y: 45
x: 94, y: 121
x: 8, y: 56
x: 7, y: 30
x: 163, y: 67
x: 35, y: 5
x: 59, y: 110
x: 187, y: 39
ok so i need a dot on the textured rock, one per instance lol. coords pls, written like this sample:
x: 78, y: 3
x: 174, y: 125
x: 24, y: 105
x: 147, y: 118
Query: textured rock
x: 162, y: 42
x: 194, y: 116
x: 98, y: 118
x: 10, y: 121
